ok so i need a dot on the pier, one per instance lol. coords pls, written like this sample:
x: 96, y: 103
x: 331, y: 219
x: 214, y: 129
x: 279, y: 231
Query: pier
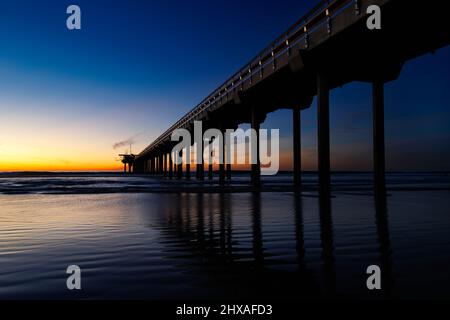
x: 330, y: 46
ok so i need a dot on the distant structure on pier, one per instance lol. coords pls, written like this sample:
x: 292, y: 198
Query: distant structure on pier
x: 127, y: 160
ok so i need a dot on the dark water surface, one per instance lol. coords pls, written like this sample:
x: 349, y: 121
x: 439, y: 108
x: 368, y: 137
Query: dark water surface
x: 171, y: 244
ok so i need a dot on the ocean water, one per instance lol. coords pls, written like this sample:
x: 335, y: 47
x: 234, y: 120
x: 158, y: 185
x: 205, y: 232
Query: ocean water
x: 151, y: 238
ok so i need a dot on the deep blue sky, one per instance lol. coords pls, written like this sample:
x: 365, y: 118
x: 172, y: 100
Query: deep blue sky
x: 137, y: 66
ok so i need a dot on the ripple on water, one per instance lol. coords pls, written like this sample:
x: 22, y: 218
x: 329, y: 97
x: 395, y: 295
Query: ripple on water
x: 222, y: 245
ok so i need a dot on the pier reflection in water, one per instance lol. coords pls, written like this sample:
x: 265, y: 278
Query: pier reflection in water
x: 252, y: 246
x: 226, y: 245
x: 384, y: 243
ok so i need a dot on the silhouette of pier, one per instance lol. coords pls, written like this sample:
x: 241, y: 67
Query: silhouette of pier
x: 128, y: 161
x: 328, y: 47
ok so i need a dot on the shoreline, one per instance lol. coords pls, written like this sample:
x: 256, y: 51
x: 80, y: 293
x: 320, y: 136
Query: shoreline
x: 104, y: 183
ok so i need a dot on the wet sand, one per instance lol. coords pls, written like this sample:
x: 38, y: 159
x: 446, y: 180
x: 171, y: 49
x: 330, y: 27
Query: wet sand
x: 241, y: 244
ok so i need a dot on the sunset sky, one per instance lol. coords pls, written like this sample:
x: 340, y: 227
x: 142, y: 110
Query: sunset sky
x: 66, y: 97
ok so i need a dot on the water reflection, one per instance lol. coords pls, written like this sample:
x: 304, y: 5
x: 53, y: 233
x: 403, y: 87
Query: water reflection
x: 258, y: 251
x: 299, y: 230
x: 384, y: 242
x: 200, y: 221
x: 326, y: 237
x: 233, y: 237
x: 226, y: 245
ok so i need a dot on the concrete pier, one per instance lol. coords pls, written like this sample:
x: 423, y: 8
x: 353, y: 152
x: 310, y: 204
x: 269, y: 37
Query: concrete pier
x: 210, y: 172
x: 228, y: 171
x: 128, y: 161
x: 378, y: 137
x: 297, y: 158
x: 170, y: 166
x: 188, y: 171
x: 302, y: 64
x: 323, y: 133
x: 165, y: 164
x: 256, y: 167
x: 210, y: 163
x: 180, y: 168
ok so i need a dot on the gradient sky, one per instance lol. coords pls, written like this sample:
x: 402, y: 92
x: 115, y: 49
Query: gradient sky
x: 137, y: 66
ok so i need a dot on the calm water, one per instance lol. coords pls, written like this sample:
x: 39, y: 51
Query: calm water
x: 169, y: 244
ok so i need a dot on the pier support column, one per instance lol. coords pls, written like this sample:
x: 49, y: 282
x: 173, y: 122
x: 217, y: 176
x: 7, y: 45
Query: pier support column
x: 297, y: 146
x: 188, y: 163
x: 165, y: 164
x: 170, y: 166
x: 378, y: 137
x: 210, y: 165
x: 175, y: 166
x: 256, y: 169
x: 188, y: 171
x: 228, y: 171
x: 222, y: 160
x: 200, y: 174
x: 200, y: 166
x: 157, y: 164
x: 125, y: 168
x: 323, y: 133
x: 221, y: 173
x: 180, y: 167
x: 210, y: 172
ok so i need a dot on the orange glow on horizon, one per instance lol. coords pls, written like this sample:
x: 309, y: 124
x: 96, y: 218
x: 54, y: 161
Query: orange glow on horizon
x: 107, y: 162
x: 56, y: 155
x: 54, y: 167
